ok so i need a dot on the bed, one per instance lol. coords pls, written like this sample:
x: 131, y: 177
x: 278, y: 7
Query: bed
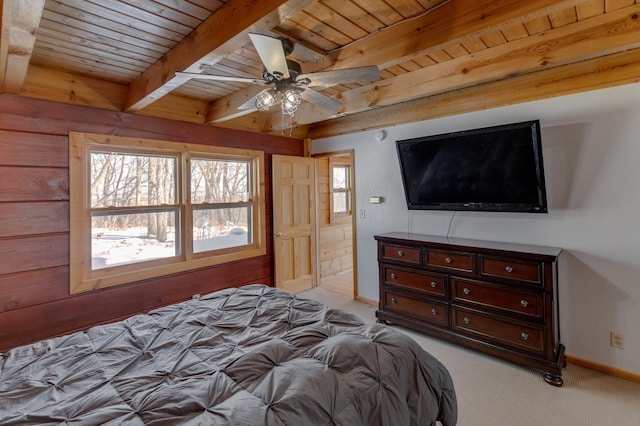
x: 253, y: 355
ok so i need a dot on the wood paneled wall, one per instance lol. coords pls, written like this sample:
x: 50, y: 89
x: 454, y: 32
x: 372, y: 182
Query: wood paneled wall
x: 34, y: 220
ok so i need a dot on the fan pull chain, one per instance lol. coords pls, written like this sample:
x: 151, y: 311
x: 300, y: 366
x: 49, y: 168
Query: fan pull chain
x: 291, y: 125
x: 282, y: 123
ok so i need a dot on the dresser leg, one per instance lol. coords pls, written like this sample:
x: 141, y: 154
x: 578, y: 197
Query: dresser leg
x: 553, y: 379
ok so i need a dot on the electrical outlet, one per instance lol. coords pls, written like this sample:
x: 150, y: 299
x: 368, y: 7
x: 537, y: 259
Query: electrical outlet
x: 617, y: 340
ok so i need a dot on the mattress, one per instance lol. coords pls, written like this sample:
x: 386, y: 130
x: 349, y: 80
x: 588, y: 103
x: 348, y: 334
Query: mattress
x: 253, y: 355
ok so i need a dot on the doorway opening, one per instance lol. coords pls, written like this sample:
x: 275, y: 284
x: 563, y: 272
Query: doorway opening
x: 336, y: 249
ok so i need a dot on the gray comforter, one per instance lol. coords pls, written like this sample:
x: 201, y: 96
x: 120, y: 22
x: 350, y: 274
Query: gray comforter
x: 249, y: 356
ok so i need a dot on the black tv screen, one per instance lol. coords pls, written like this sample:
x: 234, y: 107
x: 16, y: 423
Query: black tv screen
x: 492, y: 169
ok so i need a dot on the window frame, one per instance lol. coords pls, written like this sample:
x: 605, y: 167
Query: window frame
x: 346, y: 215
x: 84, y: 278
x: 212, y: 205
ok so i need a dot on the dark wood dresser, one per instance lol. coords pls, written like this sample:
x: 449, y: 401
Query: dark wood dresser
x: 498, y: 298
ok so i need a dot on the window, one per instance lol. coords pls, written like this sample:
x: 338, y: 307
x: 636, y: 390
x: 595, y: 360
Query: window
x: 143, y: 208
x: 340, y: 179
x: 221, y: 205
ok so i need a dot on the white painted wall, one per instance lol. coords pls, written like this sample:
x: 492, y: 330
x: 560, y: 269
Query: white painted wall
x: 591, y: 149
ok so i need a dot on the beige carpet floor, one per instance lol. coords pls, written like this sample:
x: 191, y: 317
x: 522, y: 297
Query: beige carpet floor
x: 492, y: 392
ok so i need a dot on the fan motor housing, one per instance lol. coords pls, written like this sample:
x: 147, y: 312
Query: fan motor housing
x: 294, y: 70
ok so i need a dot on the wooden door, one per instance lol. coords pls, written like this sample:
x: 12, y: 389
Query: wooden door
x: 294, y: 222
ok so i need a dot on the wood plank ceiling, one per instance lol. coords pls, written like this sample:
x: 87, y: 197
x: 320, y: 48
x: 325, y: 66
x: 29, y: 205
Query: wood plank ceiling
x: 436, y: 57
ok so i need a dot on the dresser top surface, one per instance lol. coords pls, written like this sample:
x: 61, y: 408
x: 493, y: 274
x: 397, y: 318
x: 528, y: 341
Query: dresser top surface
x: 471, y: 243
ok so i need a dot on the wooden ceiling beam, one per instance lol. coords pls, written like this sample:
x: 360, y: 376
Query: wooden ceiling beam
x: 446, y: 25
x: 20, y: 21
x: 599, y: 36
x: 222, y: 33
x: 68, y: 88
x: 64, y: 87
x: 597, y: 73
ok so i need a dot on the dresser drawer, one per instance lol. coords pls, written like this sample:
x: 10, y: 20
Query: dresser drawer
x: 401, y: 253
x: 434, y: 284
x: 499, y: 329
x: 451, y: 260
x: 502, y: 297
x: 428, y: 311
x: 515, y: 270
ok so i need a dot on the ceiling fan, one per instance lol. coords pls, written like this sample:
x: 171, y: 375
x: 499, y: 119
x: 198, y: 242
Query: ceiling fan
x: 288, y: 86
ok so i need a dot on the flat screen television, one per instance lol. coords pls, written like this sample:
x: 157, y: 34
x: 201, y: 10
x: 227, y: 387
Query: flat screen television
x: 490, y: 169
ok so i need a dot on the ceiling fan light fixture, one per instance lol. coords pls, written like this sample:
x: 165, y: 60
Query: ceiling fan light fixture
x: 291, y: 99
x: 265, y: 99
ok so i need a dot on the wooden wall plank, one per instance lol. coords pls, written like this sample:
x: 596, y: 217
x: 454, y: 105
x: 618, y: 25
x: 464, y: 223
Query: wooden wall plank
x: 28, y: 149
x: 333, y: 249
x: 33, y: 288
x: 33, y: 184
x: 338, y: 232
x: 33, y: 218
x: 336, y: 265
x: 30, y: 253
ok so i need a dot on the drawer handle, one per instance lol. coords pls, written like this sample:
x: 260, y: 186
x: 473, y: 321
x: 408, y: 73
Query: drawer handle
x: 524, y: 303
x: 434, y: 284
x: 466, y: 320
x: 394, y: 300
x: 466, y: 291
x: 509, y: 269
x: 434, y: 311
x: 524, y: 336
x: 394, y: 276
x: 448, y: 260
x: 400, y: 253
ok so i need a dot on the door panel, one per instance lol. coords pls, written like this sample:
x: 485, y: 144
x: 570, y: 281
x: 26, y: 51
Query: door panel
x: 294, y: 222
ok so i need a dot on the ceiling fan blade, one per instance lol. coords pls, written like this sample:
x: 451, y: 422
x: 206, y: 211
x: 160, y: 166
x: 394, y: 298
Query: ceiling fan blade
x: 319, y: 99
x: 271, y: 54
x: 345, y: 76
x: 220, y: 78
